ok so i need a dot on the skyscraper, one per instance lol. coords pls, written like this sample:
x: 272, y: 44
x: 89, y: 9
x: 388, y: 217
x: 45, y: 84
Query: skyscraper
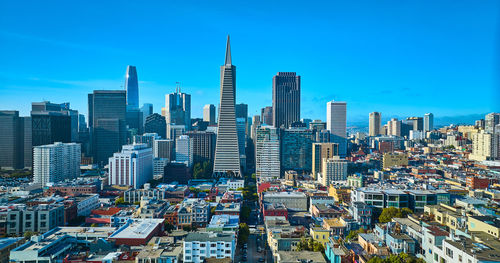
x: 267, y: 153
x: 375, y: 124
x: 178, y: 108
x: 394, y: 127
x: 416, y: 123
x: 336, y: 124
x: 132, y: 88
x: 286, y: 99
x: 227, y: 156
x: 184, y: 150
x: 209, y: 114
x: 428, y: 122
x: 56, y: 162
x: 267, y: 115
x: 157, y: 124
x: 296, y: 149
x: 203, y: 146
x: 146, y: 109
x: 107, y: 123
x: 15, y: 140
x: 490, y: 121
x: 52, y: 122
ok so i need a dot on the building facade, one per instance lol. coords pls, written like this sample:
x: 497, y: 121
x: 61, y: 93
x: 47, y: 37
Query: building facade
x: 56, y: 162
x: 286, y: 99
x: 132, y: 166
x: 267, y: 153
x: 336, y: 124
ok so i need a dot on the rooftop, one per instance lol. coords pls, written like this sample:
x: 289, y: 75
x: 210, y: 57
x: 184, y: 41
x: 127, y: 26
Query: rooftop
x: 212, y: 237
x: 137, y: 229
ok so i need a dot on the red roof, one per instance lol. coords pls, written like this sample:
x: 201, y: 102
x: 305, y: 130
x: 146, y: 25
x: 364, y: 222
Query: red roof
x: 109, y: 212
x: 97, y: 220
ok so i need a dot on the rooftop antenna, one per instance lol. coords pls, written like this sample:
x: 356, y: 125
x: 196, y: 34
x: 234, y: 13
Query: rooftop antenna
x: 177, y: 87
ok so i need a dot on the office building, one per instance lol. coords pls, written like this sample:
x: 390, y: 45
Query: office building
x: 203, y: 146
x: 184, y: 150
x: 147, y: 138
x: 176, y: 172
x: 132, y: 88
x: 50, y: 123
x: 296, y: 149
x: 337, y: 125
x: 201, y: 246
x: 241, y: 125
x: 428, y: 122
x: 107, y: 123
x: 132, y: 166
x: 255, y: 125
x: 266, y: 115
x: 164, y: 149
x: 209, y: 114
x: 15, y: 142
x: 416, y: 123
x: 267, y: 153
x: 375, y: 124
x: 56, y: 162
x: 155, y: 123
x: 333, y: 170
x: 490, y: 121
x: 321, y: 151
x: 286, y: 99
x: 394, y: 127
x: 159, y: 165
x: 227, y: 156
x: 174, y: 131
x: 146, y: 109
x: 178, y: 108
x: 485, y: 146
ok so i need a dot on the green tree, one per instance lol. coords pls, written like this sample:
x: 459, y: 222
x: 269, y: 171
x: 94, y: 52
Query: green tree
x: 169, y: 227
x: 245, y: 213
x: 391, y: 212
x: 243, y: 233
x: 353, y: 234
x: 197, y: 171
x: 120, y: 201
x: 29, y: 234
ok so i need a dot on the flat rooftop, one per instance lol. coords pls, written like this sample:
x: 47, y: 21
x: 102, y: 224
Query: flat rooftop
x: 137, y: 229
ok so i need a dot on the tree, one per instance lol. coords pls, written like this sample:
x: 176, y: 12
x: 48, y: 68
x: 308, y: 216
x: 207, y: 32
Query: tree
x: 243, y: 233
x: 310, y: 245
x: 169, y: 227
x: 391, y: 212
x: 353, y: 234
x: 187, y: 228
x: 245, y: 213
x: 120, y: 201
x: 397, y: 258
x: 28, y: 234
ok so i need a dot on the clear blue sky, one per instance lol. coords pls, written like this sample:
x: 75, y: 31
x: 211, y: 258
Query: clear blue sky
x: 398, y: 57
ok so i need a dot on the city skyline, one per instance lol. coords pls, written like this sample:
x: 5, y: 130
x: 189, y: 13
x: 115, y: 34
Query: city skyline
x: 384, y: 88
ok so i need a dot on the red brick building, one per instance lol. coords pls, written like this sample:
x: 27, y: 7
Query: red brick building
x: 275, y: 210
x: 477, y: 182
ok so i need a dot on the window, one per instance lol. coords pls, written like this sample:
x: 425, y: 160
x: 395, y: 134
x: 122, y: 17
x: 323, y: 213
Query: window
x: 227, y: 245
x: 202, y: 245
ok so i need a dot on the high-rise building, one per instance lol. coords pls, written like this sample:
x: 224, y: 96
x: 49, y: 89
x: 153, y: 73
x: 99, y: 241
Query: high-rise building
x: 286, y: 99
x: 375, y: 124
x: 15, y: 140
x: 147, y: 138
x: 334, y: 170
x: 203, y: 146
x: 227, y: 156
x: 267, y: 153
x: 417, y: 123
x: 266, y: 115
x: 485, y: 146
x: 321, y: 151
x: 178, y: 108
x: 132, y: 166
x: 132, y: 88
x: 428, y: 122
x: 241, y: 125
x: 317, y: 125
x: 241, y: 112
x: 52, y: 122
x: 184, y: 150
x: 107, y: 123
x: 490, y: 121
x: 337, y: 125
x: 394, y: 127
x: 209, y: 114
x: 56, y: 162
x: 164, y: 149
x: 255, y: 125
x: 296, y: 149
x: 155, y: 123
x: 174, y: 131
x: 146, y: 109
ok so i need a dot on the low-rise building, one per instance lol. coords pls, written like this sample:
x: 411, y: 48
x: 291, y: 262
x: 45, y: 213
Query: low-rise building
x: 198, y: 246
x: 295, y: 201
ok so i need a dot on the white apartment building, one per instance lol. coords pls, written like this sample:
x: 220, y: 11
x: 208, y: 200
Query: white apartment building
x: 159, y: 166
x: 199, y: 246
x: 56, y: 162
x: 267, y: 153
x: 132, y: 166
x: 334, y: 169
x: 337, y: 125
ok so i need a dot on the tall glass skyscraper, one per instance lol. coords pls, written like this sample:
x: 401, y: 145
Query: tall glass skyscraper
x: 337, y: 125
x: 286, y: 99
x: 178, y: 108
x: 132, y: 88
x: 227, y: 156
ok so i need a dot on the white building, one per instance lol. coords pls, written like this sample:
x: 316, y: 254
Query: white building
x: 184, y: 150
x: 336, y: 124
x: 56, y: 162
x: 428, y: 122
x: 485, y: 146
x: 132, y: 166
x: 267, y: 153
x: 159, y: 166
x: 87, y: 203
x: 198, y: 246
x: 334, y: 170
x: 417, y: 135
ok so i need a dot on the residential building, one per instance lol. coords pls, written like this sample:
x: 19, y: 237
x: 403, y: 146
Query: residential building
x: 199, y: 246
x: 319, y: 152
x: 394, y: 159
x: 15, y: 142
x: 490, y: 121
x: 56, y: 162
x: 428, y: 122
x: 164, y: 149
x: 375, y: 124
x: 296, y: 148
x: 334, y: 170
x: 267, y: 153
x: 184, y: 150
x: 296, y: 201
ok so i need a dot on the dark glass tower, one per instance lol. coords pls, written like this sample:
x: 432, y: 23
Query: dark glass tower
x: 227, y: 156
x: 286, y: 99
x: 132, y: 88
x: 107, y: 112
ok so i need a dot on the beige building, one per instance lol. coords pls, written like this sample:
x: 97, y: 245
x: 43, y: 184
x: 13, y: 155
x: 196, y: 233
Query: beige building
x: 486, y: 224
x: 334, y: 169
x: 446, y: 215
x: 320, y: 151
x: 394, y: 159
x: 375, y: 124
x: 484, y: 146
